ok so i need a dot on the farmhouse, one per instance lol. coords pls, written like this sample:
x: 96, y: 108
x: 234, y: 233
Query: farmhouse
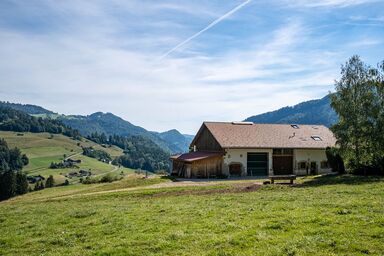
x: 225, y: 149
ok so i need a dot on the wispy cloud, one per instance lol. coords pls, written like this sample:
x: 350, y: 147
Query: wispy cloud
x: 212, y: 24
x: 78, y: 57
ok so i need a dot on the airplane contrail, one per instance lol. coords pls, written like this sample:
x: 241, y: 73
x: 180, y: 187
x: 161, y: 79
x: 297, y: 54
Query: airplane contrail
x: 205, y: 29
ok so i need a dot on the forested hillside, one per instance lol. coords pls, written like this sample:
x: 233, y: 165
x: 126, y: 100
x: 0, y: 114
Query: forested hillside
x: 171, y: 141
x: 309, y: 112
x: 109, y: 124
x: 27, y: 108
x: 18, y: 121
x: 139, y: 152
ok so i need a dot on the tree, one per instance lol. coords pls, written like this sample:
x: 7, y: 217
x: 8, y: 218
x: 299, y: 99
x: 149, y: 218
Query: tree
x: 50, y: 182
x: 358, y: 101
x: 7, y: 184
x: 21, y: 183
x: 12, y: 180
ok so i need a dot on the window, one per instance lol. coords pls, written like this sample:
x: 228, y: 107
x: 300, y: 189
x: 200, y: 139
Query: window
x: 294, y: 126
x: 302, y: 165
x: 277, y: 151
x: 316, y: 138
x: 324, y: 164
x: 282, y: 151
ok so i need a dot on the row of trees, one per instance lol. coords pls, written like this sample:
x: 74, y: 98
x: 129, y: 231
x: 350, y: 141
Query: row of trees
x: 359, y: 103
x: 98, y: 154
x: 18, y: 121
x: 12, y: 180
x: 139, y: 152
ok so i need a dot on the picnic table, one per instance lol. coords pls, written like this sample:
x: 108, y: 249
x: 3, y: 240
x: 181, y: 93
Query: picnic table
x: 291, y: 178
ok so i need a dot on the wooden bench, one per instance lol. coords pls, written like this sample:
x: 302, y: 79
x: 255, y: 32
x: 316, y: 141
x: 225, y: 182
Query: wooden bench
x: 291, y: 178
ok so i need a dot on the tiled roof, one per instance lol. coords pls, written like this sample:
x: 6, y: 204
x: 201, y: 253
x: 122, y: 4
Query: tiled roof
x: 250, y: 135
x: 195, y: 156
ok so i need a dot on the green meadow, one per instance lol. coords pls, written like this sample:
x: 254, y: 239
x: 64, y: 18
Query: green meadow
x: 44, y: 148
x: 334, y: 215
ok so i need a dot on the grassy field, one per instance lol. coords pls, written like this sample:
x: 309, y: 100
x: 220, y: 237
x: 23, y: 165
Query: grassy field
x: 43, y: 148
x: 337, y: 215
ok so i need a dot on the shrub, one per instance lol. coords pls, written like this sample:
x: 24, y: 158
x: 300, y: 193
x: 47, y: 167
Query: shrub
x: 335, y: 160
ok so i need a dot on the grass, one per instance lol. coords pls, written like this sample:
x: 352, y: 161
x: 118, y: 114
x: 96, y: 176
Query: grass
x: 44, y: 148
x: 340, y: 215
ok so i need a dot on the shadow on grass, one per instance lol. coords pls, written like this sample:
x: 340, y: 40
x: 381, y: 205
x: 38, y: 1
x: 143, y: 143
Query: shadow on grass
x: 341, y: 179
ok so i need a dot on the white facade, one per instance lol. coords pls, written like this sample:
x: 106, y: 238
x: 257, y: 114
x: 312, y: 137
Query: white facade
x: 310, y: 155
x: 301, y: 158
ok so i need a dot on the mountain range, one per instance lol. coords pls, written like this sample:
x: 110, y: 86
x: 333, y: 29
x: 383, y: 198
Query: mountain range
x: 171, y: 141
x: 316, y: 111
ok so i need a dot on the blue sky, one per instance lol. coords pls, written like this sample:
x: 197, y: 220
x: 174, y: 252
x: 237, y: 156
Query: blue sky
x: 161, y: 65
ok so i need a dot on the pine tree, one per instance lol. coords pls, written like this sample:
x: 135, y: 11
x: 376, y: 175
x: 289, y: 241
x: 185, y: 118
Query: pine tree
x: 49, y: 183
x: 7, y: 184
x: 21, y: 183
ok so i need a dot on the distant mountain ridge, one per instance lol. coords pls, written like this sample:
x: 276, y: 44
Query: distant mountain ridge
x: 171, y: 141
x: 309, y: 112
x: 27, y: 108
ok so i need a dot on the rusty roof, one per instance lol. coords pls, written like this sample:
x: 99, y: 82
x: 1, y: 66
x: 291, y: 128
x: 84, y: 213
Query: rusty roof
x: 195, y: 156
x: 251, y: 135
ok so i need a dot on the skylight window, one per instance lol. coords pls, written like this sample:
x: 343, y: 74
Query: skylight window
x: 316, y: 138
x: 294, y: 126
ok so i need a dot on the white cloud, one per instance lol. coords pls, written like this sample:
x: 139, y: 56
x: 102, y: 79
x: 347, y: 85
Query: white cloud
x: 100, y: 56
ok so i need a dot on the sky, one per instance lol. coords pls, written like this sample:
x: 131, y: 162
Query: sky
x: 174, y: 64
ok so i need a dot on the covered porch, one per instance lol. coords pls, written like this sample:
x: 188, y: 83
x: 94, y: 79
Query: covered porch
x: 200, y: 164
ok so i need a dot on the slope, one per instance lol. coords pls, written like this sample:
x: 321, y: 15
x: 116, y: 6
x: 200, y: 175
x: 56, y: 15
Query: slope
x: 310, y: 112
x: 44, y: 148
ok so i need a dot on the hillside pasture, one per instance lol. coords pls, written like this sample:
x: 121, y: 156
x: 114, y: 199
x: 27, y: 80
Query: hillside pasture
x: 340, y: 215
x: 44, y: 148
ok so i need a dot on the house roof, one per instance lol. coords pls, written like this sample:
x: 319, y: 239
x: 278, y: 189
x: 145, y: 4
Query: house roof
x: 195, y: 156
x: 251, y: 135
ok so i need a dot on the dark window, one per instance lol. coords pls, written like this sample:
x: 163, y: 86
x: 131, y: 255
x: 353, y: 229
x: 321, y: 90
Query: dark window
x: 302, y: 165
x: 277, y: 151
x: 294, y: 126
x: 316, y: 138
x: 282, y: 151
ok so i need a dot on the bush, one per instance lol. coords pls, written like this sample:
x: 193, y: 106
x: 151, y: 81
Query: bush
x: 50, y: 182
x: 335, y: 160
x: 104, y: 179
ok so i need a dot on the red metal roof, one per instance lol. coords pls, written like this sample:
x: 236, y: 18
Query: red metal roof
x: 195, y: 156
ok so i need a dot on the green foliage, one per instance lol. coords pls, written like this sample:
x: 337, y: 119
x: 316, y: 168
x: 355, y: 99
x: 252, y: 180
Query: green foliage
x: 12, y: 180
x: 7, y: 184
x: 21, y: 183
x: 98, y: 154
x: 104, y: 179
x: 139, y: 152
x: 309, y: 112
x: 335, y: 160
x: 359, y: 102
x: 50, y: 182
x: 27, y: 108
x: 18, y: 121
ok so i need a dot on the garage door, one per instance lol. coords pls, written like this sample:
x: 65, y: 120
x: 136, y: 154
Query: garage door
x: 257, y: 164
x: 282, y: 165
